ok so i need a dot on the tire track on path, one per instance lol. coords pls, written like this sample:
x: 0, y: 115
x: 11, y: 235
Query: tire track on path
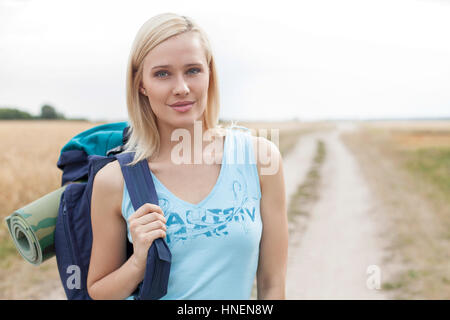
x: 330, y: 259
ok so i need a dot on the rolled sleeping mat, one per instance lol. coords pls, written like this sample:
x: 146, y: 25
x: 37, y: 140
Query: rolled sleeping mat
x: 32, y: 227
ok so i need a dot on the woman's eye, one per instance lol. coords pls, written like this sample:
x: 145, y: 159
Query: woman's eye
x: 161, y: 74
x: 196, y: 70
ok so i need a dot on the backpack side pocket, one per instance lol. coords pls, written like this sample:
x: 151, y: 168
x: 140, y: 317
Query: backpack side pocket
x: 72, y: 271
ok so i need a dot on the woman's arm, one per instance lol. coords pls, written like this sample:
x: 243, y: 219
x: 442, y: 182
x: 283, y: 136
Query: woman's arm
x: 111, y: 275
x: 271, y: 273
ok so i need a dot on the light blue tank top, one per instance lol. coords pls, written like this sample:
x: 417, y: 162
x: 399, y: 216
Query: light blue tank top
x: 215, y: 243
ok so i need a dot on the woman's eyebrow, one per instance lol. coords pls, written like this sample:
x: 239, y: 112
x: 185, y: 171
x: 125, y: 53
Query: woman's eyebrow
x: 168, y: 65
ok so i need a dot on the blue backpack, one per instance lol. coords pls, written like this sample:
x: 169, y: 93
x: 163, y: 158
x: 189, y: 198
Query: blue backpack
x: 80, y: 160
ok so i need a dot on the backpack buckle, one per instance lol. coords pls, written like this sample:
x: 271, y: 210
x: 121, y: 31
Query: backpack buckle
x: 114, y: 151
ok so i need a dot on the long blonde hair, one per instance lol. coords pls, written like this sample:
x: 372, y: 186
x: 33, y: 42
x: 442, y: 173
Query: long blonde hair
x: 144, y: 137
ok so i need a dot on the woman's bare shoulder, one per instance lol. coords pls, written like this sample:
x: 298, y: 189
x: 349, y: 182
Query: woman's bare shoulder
x: 266, y: 154
x: 108, y: 185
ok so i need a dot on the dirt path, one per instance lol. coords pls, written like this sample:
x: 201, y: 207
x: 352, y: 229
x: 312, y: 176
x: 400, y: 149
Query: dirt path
x: 330, y: 259
x: 56, y: 293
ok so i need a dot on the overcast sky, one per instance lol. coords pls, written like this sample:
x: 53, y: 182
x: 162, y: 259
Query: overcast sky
x: 276, y: 59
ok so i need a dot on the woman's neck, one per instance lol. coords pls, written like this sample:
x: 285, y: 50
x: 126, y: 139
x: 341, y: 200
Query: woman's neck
x: 187, y: 141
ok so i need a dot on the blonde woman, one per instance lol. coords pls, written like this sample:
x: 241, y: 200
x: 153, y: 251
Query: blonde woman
x: 224, y: 221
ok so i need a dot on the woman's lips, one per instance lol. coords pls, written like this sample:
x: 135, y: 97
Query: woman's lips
x: 183, y: 108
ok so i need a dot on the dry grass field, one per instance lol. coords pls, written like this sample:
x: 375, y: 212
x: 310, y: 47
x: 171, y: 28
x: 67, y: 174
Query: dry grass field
x: 407, y: 165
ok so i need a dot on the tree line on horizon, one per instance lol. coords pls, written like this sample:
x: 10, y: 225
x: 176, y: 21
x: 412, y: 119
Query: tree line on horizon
x: 47, y: 113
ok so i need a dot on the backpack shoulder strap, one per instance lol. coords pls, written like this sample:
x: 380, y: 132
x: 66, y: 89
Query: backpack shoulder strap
x: 138, y: 180
x: 141, y: 189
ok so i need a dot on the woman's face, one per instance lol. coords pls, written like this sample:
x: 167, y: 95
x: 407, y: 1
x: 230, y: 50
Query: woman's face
x: 176, y: 71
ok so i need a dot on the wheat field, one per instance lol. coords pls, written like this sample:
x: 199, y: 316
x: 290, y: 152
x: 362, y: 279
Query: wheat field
x: 28, y: 165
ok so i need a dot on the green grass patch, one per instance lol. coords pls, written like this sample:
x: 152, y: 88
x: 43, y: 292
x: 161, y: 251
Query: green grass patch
x: 432, y: 165
x: 392, y: 285
x: 307, y: 192
x: 413, y: 274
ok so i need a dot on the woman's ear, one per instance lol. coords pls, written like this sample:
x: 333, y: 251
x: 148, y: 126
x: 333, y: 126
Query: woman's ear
x: 142, y: 90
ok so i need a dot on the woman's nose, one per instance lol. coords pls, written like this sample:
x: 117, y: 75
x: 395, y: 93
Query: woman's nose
x: 181, y: 87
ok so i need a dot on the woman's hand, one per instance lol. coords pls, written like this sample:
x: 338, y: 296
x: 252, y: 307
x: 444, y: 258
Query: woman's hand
x: 146, y: 224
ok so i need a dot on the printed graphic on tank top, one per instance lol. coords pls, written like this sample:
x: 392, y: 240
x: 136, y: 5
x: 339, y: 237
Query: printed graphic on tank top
x: 215, y: 243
